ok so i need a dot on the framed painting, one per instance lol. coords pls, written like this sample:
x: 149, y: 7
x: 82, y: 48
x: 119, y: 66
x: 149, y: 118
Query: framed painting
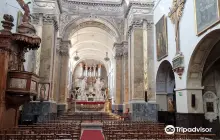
x: 44, y: 91
x: 207, y: 14
x: 161, y: 38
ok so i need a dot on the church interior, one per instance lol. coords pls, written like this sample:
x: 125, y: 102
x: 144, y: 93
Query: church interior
x: 109, y: 69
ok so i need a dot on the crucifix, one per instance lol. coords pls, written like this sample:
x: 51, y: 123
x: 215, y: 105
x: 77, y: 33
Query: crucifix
x: 175, y: 15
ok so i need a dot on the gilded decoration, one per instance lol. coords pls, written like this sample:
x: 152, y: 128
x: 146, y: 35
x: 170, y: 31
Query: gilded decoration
x: 161, y: 38
x: 207, y: 14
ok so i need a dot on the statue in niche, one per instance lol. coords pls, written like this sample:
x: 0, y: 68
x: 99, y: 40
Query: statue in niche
x: 170, y: 105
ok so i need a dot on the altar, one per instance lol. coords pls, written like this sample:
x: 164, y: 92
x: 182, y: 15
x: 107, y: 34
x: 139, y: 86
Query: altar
x: 91, y: 90
x: 90, y: 106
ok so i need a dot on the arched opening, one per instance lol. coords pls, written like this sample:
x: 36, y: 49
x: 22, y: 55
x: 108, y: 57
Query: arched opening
x: 92, y: 41
x: 204, y: 71
x: 165, y: 95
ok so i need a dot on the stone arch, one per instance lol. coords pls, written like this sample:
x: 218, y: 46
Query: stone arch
x: 165, y: 97
x: 79, y: 23
x: 165, y: 78
x: 199, y: 58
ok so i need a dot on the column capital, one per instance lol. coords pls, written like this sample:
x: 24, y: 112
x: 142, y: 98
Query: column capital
x: 51, y: 19
x: 64, y: 47
x: 118, y: 49
x: 37, y: 18
x: 125, y: 49
x: 140, y: 23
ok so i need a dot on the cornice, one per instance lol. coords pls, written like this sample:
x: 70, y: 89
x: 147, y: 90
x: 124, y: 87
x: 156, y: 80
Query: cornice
x: 109, y: 4
x: 131, y: 4
x: 47, y: 19
x: 139, y: 24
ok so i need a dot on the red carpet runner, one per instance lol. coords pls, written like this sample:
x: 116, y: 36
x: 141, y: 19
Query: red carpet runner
x: 92, y: 135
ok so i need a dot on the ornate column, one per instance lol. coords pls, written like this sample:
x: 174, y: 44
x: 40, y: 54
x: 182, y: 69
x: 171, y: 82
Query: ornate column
x: 125, y: 76
x: 57, y: 70
x: 139, y: 62
x: 118, y: 49
x: 149, y: 72
x: 38, y: 24
x: 48, y: 48
x: 47, y: 55
x: 64, y: 54
x: 5, y: 44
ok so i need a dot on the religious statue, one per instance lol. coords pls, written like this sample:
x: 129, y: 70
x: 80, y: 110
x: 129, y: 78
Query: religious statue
x: 170, y: 105
x: 25, y: 7
x: 84, y: 84
x: 175, y: 15
x: 98, y: 87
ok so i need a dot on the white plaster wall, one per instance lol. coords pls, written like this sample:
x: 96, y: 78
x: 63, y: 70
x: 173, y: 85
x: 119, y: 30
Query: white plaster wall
x: 188, y: 42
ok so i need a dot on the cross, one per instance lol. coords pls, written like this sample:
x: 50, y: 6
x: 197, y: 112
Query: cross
x: 175, y: 15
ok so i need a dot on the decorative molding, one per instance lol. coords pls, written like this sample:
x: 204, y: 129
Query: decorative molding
x: 113, y: 25
x: 211, y: 98
x: 46, y: 19
x: 139, y: 24
x: 51, y: 19
x: 95, y: 3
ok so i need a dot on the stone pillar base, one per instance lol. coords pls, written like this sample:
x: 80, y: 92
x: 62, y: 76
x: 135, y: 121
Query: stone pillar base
x: 61, y: 108
x: 144, y: 111
x: 37, y: 111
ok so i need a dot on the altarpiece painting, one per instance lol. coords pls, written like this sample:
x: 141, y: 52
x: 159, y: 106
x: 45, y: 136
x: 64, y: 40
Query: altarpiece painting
x: 161, y: 38
x: 206, y: 14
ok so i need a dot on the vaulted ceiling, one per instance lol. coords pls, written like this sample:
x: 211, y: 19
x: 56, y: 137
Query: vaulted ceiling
x: 92, y: 43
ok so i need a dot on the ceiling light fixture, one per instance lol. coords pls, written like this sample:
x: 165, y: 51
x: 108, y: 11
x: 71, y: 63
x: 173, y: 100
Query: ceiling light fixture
x: 106, y: 58
x: 76, y: 58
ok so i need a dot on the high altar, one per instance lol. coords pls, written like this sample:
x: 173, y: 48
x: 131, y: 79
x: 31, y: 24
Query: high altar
x: 90, y: 91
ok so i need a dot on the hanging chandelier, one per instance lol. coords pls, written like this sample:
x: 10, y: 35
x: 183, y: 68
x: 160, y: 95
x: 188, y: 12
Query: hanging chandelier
x: 106, y: 58
x: 76, y: 58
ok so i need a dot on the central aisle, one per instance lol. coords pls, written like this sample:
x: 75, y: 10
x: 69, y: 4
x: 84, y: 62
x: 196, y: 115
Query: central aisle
x: 92, y: 135
x: 91, y: 130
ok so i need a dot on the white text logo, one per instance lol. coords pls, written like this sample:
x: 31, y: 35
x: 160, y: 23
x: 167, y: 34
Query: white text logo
x: 170, y: 129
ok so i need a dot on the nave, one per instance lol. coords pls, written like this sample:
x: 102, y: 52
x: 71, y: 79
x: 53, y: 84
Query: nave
x: 83, y: 126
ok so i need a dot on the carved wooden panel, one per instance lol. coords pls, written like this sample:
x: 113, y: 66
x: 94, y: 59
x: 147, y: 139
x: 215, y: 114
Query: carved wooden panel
x: 18, y: 83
